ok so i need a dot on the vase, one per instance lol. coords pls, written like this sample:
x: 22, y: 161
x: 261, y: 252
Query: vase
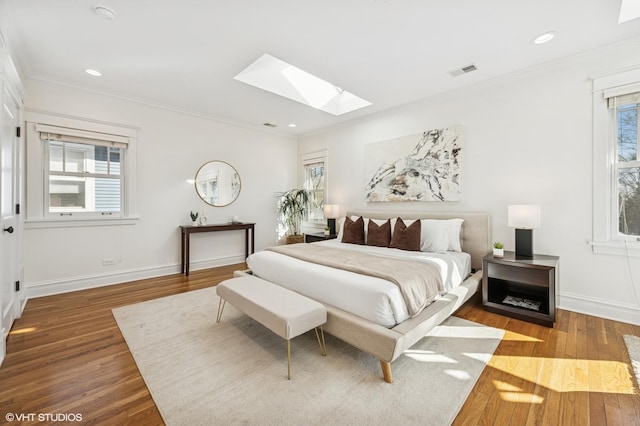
x: 194, y: 223
x: 498, y: 252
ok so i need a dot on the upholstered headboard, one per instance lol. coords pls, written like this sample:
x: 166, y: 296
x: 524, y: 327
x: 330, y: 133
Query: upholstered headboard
x: 475, y: 235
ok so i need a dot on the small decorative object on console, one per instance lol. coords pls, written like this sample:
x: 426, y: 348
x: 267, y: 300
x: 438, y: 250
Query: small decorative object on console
x: 498, y: 249
x: 194, y: 218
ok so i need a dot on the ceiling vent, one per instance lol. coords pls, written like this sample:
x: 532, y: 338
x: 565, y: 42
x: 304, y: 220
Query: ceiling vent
x: 463, y: 70
x: 269, y: 125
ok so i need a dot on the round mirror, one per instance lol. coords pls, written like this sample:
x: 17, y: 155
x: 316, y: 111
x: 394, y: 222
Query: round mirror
x: 217, y: 183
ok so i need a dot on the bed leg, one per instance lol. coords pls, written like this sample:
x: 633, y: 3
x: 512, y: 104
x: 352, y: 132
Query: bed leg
x: 386, y: 371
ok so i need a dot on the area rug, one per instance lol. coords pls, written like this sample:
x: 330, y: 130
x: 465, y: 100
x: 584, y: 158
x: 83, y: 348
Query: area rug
x: 633, y: 348
x: 200, y: 372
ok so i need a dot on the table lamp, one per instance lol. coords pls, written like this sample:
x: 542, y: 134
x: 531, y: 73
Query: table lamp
x: 524, y: 217
x: 331, y: 212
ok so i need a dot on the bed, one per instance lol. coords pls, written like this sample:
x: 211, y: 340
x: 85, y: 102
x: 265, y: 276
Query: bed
x: 369, y: 312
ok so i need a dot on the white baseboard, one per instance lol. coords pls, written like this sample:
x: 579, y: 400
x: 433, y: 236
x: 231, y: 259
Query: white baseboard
x: 617, y: 311
x: 69, y: 284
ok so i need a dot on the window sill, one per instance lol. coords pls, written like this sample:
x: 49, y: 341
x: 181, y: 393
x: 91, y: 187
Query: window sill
x: 77, y: 222
x: 619, y: 248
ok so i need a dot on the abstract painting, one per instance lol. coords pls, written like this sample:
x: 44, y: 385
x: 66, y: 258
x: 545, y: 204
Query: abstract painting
x: 421, y: 167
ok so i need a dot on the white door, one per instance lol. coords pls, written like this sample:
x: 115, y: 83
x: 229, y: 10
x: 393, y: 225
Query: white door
x: 8, y: 223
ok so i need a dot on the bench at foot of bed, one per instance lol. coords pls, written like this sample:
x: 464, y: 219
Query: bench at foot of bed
x: 286, y: 313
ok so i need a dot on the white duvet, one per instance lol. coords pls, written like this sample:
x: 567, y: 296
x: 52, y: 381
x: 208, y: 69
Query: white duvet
x: 372, y: 298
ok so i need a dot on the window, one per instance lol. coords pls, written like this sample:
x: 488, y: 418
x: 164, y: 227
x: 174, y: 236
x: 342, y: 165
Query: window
x: 625, y: 122
x: 83, y: 177
x: 616, y: 165
x: 315, y: 170
x: 79, y: 174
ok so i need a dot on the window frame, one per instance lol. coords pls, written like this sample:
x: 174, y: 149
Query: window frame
x: 306, y: 160
x: 49, y: 174
x: 622, y: 165
x: 606, y: 239
x: 37, y: 167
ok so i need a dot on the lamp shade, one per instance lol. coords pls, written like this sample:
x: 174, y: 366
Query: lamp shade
x: 331, y: 211
x: 524, y: 216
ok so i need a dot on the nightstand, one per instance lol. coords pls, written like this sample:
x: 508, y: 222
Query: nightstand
x: 318, y: 236
x: 521, y: 287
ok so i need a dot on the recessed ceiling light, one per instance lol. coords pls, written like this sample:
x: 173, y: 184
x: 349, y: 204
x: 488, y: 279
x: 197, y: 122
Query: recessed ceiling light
x: 292, y: 125
x: 544, y: 37
x: 104, y: 11
x: 276, y: 76
x: 93, y: 72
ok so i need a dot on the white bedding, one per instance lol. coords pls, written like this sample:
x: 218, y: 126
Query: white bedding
x: 372, y: 298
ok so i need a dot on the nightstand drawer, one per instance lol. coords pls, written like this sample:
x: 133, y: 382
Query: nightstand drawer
x: 533, y: 276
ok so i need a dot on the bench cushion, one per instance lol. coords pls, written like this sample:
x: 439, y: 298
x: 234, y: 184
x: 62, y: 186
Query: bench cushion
x: 286, y: 313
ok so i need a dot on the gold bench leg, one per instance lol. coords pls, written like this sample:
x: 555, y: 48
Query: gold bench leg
x: 323, y: 345
x: 288, y: 359
x: 321, y: 342
x: 220, y: 309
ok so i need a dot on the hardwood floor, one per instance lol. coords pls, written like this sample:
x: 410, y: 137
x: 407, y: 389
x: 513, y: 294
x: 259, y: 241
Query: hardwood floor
x: 66, y: 356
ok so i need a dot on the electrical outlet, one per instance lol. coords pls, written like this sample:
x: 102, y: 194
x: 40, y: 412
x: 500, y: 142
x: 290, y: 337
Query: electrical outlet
x: 108, y: 262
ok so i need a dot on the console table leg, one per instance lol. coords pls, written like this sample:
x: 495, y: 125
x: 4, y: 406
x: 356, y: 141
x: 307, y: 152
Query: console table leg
x: 246, y: 243
x: 186, y: 255
x: 182, y: 237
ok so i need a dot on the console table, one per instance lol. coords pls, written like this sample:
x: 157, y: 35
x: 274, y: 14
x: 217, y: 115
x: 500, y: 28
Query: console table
x: 187, y: 230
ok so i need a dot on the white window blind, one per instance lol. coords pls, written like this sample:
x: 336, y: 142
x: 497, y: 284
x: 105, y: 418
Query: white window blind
x: 80, y: 136
x: 626, y: 99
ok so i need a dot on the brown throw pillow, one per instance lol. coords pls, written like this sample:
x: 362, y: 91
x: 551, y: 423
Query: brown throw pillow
x: 353, y: 231
x: 379, y: 235
x: 406, y: 238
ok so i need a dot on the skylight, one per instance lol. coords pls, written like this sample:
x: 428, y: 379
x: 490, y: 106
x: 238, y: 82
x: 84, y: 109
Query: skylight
x: 276, y: 76
x: 629, y: 9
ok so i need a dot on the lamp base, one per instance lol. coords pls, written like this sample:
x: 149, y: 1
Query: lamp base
x: 331, y: 223
x: 524, y: 243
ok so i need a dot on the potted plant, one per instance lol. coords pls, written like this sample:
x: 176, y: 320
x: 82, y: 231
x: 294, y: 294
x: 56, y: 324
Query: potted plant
x: 291, y: 207
x: 498, y: 249
x: 327, y: 230
x: 194, y: 218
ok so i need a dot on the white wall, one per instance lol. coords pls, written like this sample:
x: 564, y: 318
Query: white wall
x: 171, y: 148
x: 528, y: 140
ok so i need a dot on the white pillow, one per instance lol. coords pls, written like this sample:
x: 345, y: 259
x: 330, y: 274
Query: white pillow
x: 455, y: 226
x: 340, y: 225
x: 434, y: 235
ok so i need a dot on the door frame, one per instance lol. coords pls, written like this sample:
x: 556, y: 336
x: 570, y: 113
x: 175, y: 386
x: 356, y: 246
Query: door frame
x: 11, y: 86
